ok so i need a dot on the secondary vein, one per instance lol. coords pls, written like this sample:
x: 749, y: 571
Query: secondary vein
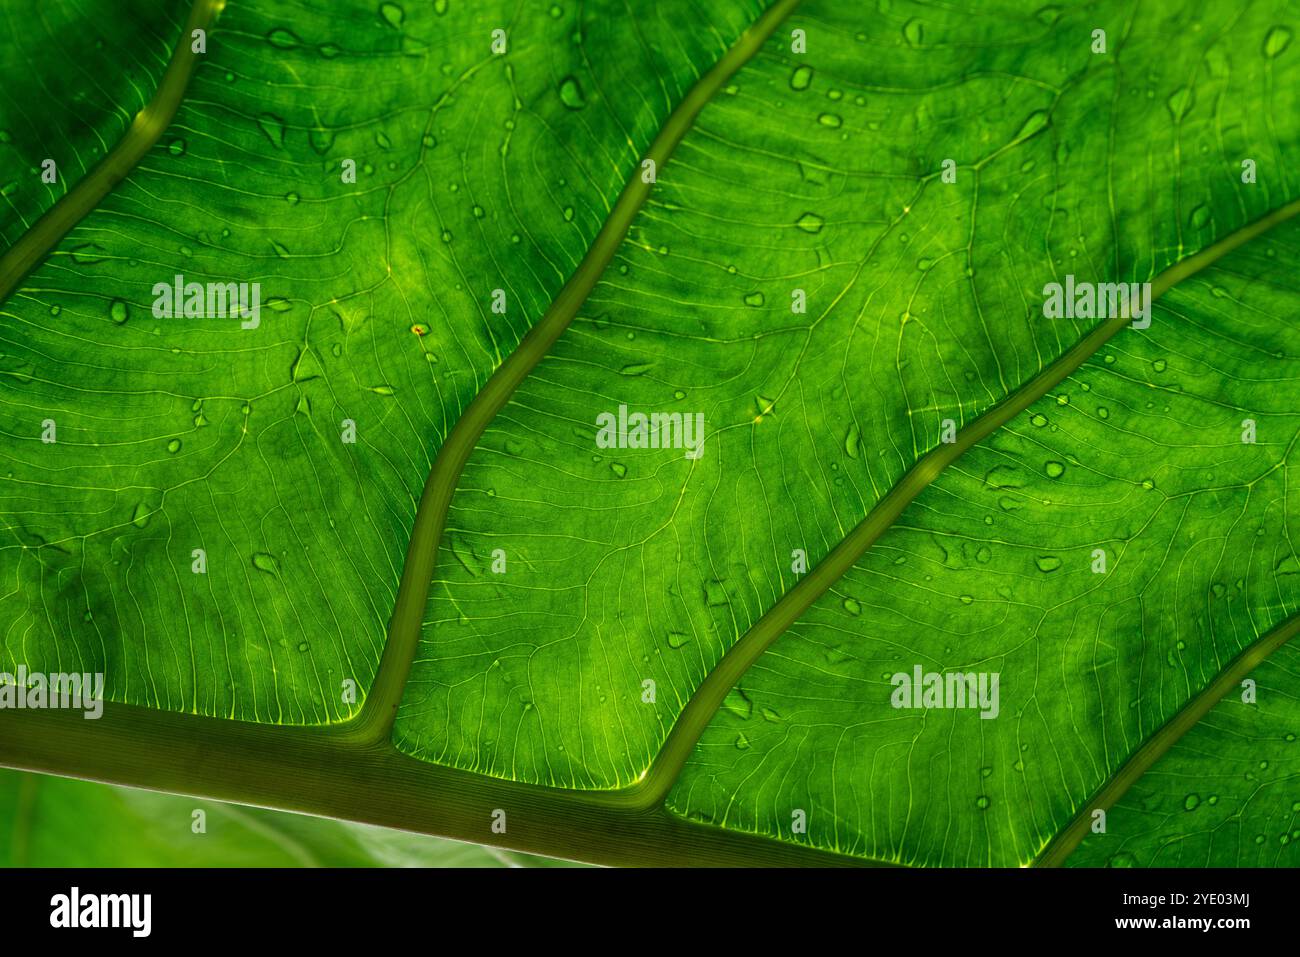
x: 48, y: 231
x: 704, y: 703
x: 1060, y: 847
x: 380, y: 708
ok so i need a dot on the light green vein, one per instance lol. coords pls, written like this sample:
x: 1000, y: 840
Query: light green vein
x: 149, y: 124
x: 1060, y: 847
x: 702, y: 706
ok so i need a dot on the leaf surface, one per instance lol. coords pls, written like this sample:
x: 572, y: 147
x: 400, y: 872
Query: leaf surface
x: 913, y: 178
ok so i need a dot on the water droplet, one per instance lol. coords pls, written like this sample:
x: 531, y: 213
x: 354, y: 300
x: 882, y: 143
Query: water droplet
x: 177, y: 147
x: 1200, y: 217
x: 1122, y: 859
x: 174, y: 446
x: 292, y: 198
x: 676, y: 639
x: 967, y: 599
x: 329, y: 50
x: 619, y: 469
x: 321, y: 140
x: 273, y: 128
x: 266, y: 563
x: 982, y: 802
x: 1034, y: 122
x: 851, y: 442
x: 810, y: 223
x: 283, y: 39
x: 440, y: 7
x: 636, y: 368
x: 119, y: 312
x: 1277, y: 40
x: 831, y: 120
x: 303, y: 646
x: 1047, y: 563
x: 1048, y: 16
x: 392, y: 13
x: 1054, y: 469
x: 738, y: 703
x: 1180, y: 102
x: 742, y: 742
x: 383, y: 389
x: 88, y: 254
x: 914, y: 32
x: 1038, y: 420
x: 140, y: 517
x: 1191, y: 801
x: 755, y: 299
x: 801, y: 77
x: 571, y: 93
x: 852, y: 607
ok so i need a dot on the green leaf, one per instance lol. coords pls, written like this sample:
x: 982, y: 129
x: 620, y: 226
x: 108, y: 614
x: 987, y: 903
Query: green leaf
x: 1139, y: 454
x: 110, y: 53
x: 183, y: 434
x: 684, y: 653
x: 1222, y: 796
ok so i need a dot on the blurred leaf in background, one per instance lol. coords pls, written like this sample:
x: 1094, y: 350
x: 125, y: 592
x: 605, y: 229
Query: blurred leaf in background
x: 59, y: 822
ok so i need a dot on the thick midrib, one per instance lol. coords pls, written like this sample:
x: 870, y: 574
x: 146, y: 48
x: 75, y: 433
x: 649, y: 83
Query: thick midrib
x: 1059, y: 848
x: 381, y: 704
x: 701, y: 707
x: 46, y: 233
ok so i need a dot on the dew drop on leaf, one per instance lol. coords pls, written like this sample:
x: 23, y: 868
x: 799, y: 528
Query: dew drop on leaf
x: 1277, y: 40
x: 801, y: 78
x: 810, y: 223
x: 1180, y: 102
x: 1047, y: 563
x: 571, y: 93
x: 272, y: 128
x: 737, y: 702
x: 283, y: 39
